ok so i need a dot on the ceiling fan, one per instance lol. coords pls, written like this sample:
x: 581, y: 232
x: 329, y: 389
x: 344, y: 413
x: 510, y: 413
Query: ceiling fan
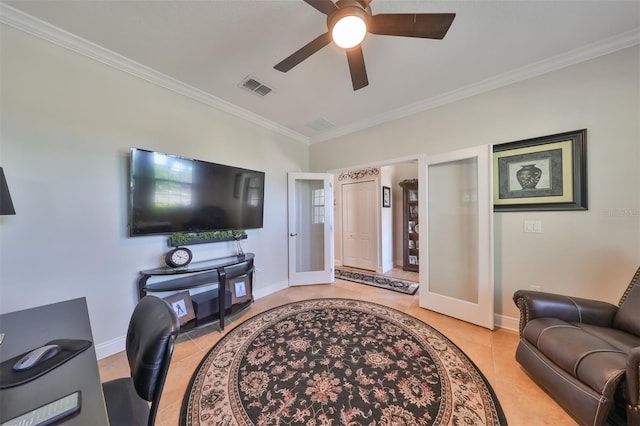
x: 348, y: 22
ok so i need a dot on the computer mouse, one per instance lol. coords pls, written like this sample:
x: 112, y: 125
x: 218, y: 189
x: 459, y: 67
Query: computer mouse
x: 36, y: 356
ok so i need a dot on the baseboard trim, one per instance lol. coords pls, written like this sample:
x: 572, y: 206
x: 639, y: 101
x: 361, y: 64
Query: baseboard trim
x: 508, y: 323
x: 111, y: 347
x: 266, y: 291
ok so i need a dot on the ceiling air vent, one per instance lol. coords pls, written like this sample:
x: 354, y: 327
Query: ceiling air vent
x: 320, y: 124
x: 255, y: 86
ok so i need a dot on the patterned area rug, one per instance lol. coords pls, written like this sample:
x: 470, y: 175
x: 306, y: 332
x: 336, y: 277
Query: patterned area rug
x: 335, y: 362
x: 395, y: 284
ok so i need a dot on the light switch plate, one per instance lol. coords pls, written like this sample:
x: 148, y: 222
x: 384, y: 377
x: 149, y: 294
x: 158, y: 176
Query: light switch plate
x: 533, y: 226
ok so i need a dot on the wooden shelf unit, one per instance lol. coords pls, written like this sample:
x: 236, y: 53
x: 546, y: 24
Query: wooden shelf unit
x: 410, y: 225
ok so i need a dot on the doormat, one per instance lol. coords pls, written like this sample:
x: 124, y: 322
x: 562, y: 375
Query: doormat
x: 389, y: 283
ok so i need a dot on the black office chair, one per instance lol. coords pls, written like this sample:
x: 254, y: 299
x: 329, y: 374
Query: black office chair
x: 153, y: 329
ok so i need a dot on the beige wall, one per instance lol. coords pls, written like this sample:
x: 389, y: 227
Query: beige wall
x: 67, y: 124
x: 588, y: 253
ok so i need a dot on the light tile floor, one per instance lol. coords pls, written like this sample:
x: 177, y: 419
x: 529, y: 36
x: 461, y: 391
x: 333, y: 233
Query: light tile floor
x: 523, y: 402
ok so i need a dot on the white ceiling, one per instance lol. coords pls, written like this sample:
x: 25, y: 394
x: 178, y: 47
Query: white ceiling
x: 211, y: 46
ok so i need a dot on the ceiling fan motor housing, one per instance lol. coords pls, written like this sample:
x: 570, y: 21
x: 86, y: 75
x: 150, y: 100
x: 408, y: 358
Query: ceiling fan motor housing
x: 348, y: 8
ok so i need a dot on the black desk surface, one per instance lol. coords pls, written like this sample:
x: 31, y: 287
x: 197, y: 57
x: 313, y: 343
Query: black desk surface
x: 31, y: 328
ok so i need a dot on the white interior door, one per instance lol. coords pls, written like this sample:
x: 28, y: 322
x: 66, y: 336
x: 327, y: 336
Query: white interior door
x: 359, y: 225
x: 457, y: 279
x: 310, y: 228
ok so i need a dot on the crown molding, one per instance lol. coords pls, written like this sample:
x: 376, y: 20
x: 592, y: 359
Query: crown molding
x: 36, y: 27
x: 591, y: 51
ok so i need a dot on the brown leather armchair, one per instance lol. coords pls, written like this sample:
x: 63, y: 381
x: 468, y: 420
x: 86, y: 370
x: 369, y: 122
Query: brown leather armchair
x: 585, y: 353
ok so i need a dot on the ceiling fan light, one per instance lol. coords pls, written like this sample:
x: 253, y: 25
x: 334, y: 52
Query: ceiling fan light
x: 349, y: 31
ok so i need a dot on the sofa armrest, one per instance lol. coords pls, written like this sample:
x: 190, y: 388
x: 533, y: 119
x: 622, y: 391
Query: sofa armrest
x: 537, y: 304
x: 633, y: 377
x: 633, y: 386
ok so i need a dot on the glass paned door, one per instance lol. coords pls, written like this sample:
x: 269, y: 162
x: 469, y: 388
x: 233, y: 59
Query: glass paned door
x: 310, y: 228
x: 459, y: 239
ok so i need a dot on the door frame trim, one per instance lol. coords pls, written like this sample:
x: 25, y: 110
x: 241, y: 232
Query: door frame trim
x: 338, y: 196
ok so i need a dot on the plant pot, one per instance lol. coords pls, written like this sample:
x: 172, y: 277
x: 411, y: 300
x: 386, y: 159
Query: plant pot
x: 198, y: 240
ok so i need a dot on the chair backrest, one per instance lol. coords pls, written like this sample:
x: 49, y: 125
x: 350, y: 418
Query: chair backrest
x: 628, y: 315
x: 634, y: 281
x: 153, y: 329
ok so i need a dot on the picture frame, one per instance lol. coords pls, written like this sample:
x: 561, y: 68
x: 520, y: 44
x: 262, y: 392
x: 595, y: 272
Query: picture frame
x: 386, y: 196
x: 547, y: 173
x: 413, y: 260
x: 182, y: 306
x: 413, y: 195
x: 240, y: 287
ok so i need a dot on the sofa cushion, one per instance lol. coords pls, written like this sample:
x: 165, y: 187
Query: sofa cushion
x: 618, y: 338
x: 628, y: 315
x: 579, y: 353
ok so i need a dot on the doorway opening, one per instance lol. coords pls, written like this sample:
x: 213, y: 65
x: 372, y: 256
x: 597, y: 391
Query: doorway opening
x: 369, y: 231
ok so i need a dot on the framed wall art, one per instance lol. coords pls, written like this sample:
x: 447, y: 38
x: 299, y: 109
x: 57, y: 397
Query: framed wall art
x: 386, y: 196
x: 544, y: 173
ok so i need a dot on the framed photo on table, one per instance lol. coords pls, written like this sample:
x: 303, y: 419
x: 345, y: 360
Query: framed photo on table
x: 544, y: 173
x: 240, y: 288
x: 182, y: 305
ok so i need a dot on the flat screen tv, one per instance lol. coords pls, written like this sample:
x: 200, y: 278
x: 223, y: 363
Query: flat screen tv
x: 176, y: 194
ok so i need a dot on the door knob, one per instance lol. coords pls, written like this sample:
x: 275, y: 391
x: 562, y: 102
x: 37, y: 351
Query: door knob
x: 292, y: 234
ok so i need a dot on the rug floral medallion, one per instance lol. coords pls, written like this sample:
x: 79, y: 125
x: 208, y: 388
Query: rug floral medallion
x: 338, y: 362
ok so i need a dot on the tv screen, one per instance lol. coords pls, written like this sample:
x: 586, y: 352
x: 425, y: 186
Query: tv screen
x: 176, y: 194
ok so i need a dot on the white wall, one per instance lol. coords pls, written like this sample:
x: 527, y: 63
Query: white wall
x: 590, y: 253
x: 386, y: 222
x: 67, y: 125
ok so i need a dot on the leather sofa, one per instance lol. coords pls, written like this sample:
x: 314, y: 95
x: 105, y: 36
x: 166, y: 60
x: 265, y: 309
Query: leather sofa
x: 584, y: 353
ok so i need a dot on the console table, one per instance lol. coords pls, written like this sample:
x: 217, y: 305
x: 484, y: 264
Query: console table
x: 200, y: 274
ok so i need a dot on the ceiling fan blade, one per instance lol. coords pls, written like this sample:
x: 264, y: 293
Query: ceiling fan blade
x: 356, y: 67
x: 324, y: 6
x: 304, y: 52
x: 423, y: 25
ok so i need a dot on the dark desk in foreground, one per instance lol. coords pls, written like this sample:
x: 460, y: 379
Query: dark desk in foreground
x: 30, y: 328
